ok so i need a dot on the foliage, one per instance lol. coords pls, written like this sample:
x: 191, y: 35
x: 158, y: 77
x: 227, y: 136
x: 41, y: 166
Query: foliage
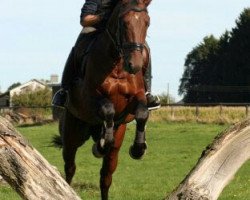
x: 166, y: 99
x: 14, y: 85
x: 39, y: 98
x: 218, y: 70
x: 173, y: 149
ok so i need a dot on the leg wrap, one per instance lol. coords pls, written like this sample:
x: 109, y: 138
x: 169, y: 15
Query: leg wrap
x: 138, y: 149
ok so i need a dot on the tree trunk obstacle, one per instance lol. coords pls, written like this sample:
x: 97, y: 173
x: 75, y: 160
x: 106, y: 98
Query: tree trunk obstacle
x: 217, y: 165
x: 27, y: 171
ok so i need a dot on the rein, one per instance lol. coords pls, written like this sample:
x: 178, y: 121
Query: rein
x: 121, y: 46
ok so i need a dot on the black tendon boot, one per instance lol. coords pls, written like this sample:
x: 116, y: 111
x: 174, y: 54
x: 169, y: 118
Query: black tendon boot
x: 153, y: 102
x: 60, y: 98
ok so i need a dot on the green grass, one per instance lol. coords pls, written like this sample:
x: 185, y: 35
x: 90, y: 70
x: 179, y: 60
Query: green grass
x: 173, y: 149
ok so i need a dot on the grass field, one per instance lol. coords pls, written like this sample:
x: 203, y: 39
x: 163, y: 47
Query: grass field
x: 212, y: 114
x: 173, y: 149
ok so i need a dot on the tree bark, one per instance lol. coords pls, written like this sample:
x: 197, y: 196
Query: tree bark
x: 217, y: 165
x: 27, y: 171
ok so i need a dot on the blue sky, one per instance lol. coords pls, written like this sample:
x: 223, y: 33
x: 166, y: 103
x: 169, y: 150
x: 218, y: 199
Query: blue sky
x: 36, y: 36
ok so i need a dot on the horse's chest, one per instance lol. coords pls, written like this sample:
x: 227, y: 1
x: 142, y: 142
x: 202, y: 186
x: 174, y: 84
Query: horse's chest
x: 120, y: 82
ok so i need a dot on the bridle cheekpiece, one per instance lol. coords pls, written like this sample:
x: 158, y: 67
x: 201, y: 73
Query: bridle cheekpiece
x: 122, y: 46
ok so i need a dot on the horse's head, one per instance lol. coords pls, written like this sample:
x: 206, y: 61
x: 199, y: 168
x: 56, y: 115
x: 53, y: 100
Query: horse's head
x: 131, y: 29
x: 134, y: 24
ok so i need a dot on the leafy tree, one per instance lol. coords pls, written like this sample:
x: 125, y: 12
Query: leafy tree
x: 14, y: 85
x: 236, y: 60
x: 199, y: 67
x: 218, y: 70
x: 39, y: 98
x: 165, y: 99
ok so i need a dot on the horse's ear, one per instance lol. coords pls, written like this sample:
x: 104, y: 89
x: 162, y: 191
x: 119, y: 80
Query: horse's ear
x: 125, y: 1
x: 147, y: 2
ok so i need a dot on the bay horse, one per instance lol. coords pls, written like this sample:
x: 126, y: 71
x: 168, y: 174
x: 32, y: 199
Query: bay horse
x: 111, y: 93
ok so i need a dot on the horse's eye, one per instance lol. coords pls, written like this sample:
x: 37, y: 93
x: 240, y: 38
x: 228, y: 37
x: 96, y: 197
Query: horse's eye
x: 148, y: 23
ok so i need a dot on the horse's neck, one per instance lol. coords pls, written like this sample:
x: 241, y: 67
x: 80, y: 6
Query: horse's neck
x: 102, y: 59
x: 104, y: 54
x: 106, y: 51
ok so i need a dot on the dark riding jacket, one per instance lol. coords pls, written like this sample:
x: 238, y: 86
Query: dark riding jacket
x: 98, y: 7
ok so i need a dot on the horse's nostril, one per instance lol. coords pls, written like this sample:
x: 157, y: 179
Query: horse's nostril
x: 133, y: 69
x: 130, y: 67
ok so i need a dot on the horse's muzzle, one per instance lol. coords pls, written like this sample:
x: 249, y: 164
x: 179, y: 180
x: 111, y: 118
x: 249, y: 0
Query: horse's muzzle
x: 135, y: 62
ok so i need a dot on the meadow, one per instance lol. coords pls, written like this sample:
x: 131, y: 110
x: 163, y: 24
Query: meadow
x: 201, y: 114
x: 173, y: 149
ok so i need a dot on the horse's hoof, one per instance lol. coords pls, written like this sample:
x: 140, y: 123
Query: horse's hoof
x: 137, y: 151
x: 96, y: 152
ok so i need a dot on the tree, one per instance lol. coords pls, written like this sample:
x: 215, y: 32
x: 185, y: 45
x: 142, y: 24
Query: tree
x: 40, y: 98
x: 166, y: 99
x: 199, y: 67
x: 14, y: 85
x: 218, y: 70
x: 236, y: 60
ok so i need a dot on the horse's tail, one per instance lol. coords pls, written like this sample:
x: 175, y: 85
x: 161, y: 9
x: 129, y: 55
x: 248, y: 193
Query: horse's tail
x: 57, y: 141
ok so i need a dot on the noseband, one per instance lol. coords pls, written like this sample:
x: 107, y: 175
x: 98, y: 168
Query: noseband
x: 121, y: 46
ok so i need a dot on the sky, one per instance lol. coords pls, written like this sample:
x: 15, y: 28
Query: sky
x: 36, y: 36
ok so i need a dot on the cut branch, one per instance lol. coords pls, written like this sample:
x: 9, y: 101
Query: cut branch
x: 27, y: 171
x: 217, y: 165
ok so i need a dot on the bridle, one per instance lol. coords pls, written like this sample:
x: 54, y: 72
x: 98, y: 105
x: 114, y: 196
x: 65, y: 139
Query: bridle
x: 121, y: 46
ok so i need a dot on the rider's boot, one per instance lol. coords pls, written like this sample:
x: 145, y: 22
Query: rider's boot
x: 61, y: 97
x: 153, y: 102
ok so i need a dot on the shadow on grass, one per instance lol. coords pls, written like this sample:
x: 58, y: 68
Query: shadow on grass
x: 85, y: 186
x: 49, y: 121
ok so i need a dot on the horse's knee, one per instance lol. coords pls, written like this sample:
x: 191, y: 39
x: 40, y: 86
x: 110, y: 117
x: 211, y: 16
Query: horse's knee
x: 107, y: 110
x: 106, y: 113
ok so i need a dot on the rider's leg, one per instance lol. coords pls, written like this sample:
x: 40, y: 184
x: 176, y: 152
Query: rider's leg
x: 70, y: 70
x: 61, y: 96
x: 153, y: 102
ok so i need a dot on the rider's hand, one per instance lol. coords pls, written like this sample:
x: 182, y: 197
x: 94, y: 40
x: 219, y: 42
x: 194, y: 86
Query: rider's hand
x: 90, y: 20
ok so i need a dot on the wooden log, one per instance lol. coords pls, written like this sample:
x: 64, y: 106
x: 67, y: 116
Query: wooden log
x: 27, y: 171
x: 217, y: 165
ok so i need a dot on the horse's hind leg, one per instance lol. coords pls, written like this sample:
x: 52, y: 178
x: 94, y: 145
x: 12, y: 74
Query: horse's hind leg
x: 138, y: 149
x: 69, y: 159
x: 72, y: 139
x: 110, y: 162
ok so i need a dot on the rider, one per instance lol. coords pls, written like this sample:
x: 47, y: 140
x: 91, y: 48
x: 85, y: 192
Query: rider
x: 94, y: 16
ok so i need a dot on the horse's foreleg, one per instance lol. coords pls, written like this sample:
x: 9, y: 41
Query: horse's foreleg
x: 107, y: 113
x: 110, y: 162
x: 138, y: 149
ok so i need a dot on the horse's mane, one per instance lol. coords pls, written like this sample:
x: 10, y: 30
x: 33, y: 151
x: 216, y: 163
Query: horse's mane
x: 135, y: 2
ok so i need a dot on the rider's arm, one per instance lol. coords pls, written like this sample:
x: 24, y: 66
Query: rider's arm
x: 89, y: 15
